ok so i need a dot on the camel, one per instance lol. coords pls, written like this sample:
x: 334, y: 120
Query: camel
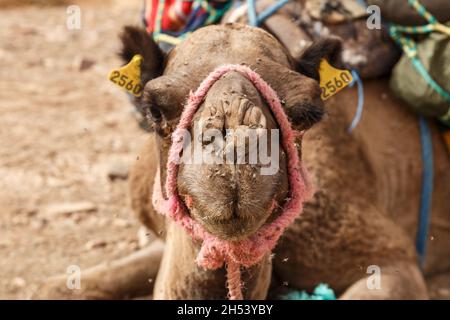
x: 364, y: 208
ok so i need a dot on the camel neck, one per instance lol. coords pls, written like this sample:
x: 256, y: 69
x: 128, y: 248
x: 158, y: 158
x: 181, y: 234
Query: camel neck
x: 181, y: 278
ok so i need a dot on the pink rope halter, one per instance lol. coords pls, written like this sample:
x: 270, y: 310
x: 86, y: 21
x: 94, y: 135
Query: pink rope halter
x: 215, y: 252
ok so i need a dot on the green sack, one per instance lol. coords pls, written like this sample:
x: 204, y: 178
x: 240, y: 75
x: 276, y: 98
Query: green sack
x: 407, y: 83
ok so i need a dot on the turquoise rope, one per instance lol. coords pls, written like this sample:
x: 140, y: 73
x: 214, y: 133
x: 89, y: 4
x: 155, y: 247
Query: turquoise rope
x: 424, y: 73
x: 321, y: 292
x: 424, y: 13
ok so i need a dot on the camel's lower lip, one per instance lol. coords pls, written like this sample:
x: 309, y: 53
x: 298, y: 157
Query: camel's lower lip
x: 227, y: 222
x: 234, y: 228
x: 233, y: 221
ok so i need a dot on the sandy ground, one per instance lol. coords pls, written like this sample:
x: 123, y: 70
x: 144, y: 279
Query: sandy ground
x: 63, y: 128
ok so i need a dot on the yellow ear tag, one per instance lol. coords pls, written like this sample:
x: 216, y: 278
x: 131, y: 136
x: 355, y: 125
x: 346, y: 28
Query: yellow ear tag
x: 129, y: 76
x: 332, y: 80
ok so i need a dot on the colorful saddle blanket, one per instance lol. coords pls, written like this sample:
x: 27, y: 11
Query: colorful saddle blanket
x: 179, y: 17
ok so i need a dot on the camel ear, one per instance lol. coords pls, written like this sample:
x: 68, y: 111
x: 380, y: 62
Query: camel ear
x: 326, y: 48
x: 137, y: 41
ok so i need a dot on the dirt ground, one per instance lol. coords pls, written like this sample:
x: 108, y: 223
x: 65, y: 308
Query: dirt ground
x: 64, y: 128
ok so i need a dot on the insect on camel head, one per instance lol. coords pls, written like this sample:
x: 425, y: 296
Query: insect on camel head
x: 229, y: 184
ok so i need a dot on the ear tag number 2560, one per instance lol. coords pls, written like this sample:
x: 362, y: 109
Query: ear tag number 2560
x: 332, y: 80
x: 129, y: 76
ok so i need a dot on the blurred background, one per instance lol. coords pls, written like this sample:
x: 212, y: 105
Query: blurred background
x: 67, y: 138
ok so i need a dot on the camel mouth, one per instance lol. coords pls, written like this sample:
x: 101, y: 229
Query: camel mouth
x: 231, y: 224
x: 255, y: 235
x: 231, y: 197
x: 233, y: 228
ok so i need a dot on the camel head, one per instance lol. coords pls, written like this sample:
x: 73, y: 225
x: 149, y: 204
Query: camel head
x: 236, y: 185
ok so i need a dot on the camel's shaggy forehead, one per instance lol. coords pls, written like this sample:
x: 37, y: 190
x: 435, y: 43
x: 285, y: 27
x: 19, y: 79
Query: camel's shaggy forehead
x: 212, y: 46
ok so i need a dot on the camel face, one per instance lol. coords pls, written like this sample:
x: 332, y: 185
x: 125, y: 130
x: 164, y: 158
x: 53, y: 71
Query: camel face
x: 227, y: 192
x: 241, y: 185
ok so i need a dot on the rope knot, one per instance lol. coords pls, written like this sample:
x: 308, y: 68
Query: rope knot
x: 212, y: 254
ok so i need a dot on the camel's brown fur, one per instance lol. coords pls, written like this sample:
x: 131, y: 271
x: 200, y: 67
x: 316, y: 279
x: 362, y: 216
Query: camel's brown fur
x: 364, y: 211
x: 353, y: 220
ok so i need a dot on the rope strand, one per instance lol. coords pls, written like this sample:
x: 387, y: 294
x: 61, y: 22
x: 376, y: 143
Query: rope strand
x: 234, y: 283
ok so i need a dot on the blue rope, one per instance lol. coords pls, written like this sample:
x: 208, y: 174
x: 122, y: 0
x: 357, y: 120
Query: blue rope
x: 254, y: 19
x: 427, y: 190
x: 251, y: 12
x: 271, y: 10
x: 360, y: 107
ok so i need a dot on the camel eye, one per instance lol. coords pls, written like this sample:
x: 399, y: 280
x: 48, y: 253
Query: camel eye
x: 153, y: 113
